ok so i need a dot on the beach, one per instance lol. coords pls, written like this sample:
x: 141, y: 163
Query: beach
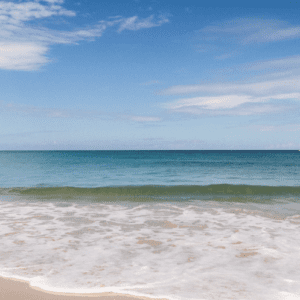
x: 13, y: 289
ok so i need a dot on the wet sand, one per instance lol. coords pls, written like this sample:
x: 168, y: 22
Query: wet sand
x: 12, y: 289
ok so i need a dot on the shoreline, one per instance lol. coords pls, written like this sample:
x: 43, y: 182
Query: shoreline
x: 16, y: 289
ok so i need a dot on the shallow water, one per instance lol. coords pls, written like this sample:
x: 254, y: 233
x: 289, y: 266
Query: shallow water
x: 176, y: 250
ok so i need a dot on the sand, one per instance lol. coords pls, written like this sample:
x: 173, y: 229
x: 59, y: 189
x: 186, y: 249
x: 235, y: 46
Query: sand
x: 12, y: 289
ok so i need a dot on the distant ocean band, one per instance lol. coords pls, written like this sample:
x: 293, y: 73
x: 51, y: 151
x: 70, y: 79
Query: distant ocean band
x: 144, y: 168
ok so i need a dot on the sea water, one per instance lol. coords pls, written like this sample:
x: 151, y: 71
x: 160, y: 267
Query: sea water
x: 161, y: 224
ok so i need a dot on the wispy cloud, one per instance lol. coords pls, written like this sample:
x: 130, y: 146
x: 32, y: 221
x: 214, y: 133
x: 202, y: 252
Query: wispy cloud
x: 253, y: 96
x: 271, y: 31
x: 24, y: 46
x: 261, y: 88
x: 276, y: 79
x: 134, y: 23
x: 236, y: 99
x: 16, y: 13
x: 249, y: 30
x: 237, y: 105
x: 231, y: 36
x: 291, y: 64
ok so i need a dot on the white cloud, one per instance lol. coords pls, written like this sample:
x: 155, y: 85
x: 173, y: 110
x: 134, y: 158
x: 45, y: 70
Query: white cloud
x: 252, y: 96
x: 262, y: 88
x: 215, y: 108
x: 224, y: 105
x: 220, y: 102
x: 234, y: 104
x: 22, y: 56
x: 52, y: 1
x: 23, y: 46
x: 16, y: 13
x: 134, y: 23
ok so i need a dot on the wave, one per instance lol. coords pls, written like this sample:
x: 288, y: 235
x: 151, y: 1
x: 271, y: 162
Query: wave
x: 157, y: 190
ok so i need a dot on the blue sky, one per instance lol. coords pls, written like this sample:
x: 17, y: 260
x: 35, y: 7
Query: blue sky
x: 149, y: 74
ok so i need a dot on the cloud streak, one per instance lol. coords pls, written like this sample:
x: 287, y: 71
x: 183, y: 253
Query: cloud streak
x: 134, y: 23
x: 253, y: 30
x: 262, y: 95
x: 24, y: 46
x: 262, y: 88
x: 236, y: 99
x: 232, y: 36
x: 229, y: 105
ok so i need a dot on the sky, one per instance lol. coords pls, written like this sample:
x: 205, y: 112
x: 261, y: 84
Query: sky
x: 149, y: 75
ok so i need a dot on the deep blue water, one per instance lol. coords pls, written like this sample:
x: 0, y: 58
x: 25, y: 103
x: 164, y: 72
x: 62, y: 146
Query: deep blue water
x: 124, y: 168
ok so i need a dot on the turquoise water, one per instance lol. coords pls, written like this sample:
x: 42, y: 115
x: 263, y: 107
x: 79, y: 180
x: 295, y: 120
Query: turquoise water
x: 180, y: 225
x: 122, y: 168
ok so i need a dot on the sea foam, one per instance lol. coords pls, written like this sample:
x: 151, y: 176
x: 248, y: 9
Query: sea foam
x: 177, y: 250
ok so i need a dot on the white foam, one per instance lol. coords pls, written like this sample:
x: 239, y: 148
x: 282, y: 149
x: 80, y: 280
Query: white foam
x: 208, y: 252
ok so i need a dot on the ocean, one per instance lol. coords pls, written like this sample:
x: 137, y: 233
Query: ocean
x: 161, y: 224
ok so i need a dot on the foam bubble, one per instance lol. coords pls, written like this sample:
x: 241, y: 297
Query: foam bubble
x: 178, y: 251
